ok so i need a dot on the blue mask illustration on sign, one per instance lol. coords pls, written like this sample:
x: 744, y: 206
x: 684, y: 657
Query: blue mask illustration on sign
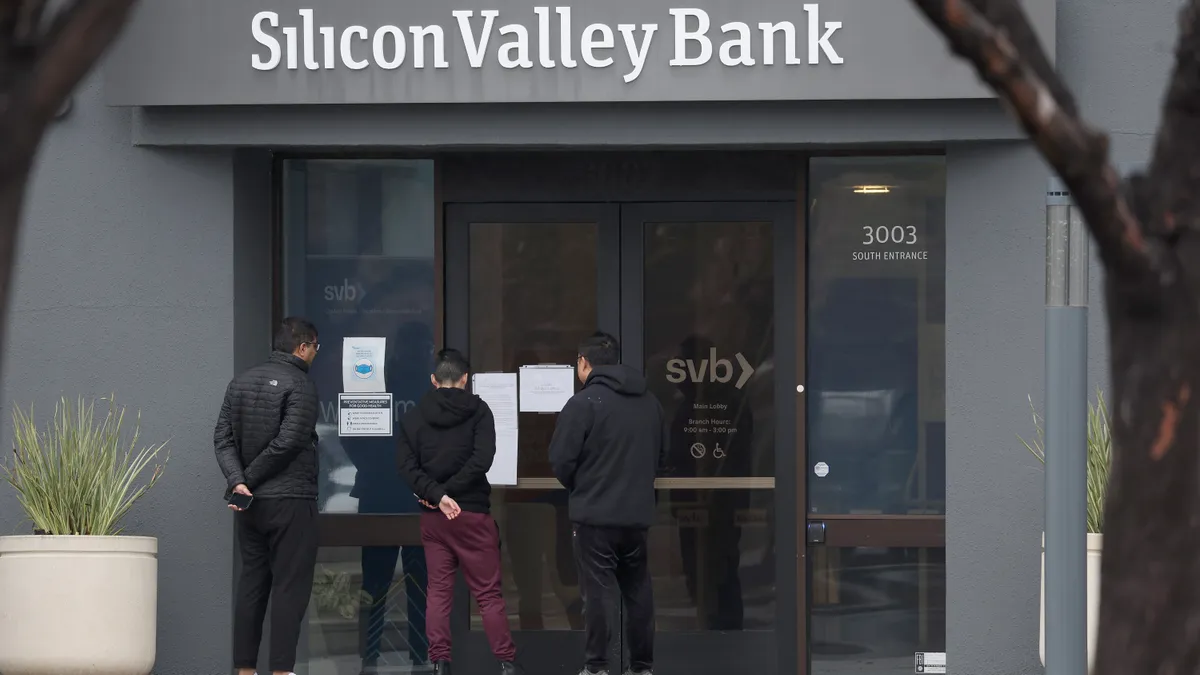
x: 364, y: 368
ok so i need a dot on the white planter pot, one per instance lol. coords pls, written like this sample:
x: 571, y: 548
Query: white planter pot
x: 78, y: 605
x: 1095, y: 543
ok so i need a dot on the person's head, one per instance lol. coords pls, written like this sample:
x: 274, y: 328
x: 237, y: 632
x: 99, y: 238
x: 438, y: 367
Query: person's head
x: 298, y: 337
x: 601, y: 349
x: 450, y: 369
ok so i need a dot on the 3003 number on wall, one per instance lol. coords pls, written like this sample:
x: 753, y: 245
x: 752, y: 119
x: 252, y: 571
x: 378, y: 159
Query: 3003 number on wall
x: 883, y: 234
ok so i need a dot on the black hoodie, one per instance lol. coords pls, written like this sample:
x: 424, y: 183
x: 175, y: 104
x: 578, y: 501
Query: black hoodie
x: 445, y: 447
x: 608, y: 447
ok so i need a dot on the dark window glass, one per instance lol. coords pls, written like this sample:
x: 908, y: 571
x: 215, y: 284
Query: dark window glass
x: 358, y: 261
x: 876, y: 336
x: 367, y: 613
x: 533, y: 298
x: 875, y: 609
x: 709, y: 345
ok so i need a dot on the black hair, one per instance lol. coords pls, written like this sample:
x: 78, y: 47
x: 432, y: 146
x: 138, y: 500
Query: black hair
x: 293, y: 332
x: 450, y: 366
x: 601, y: 349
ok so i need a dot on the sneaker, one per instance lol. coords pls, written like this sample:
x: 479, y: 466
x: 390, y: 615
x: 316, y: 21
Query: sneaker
x: 589, y: 671
x: 639, y: 672
x: 441, y: 667
x: 510, y: 668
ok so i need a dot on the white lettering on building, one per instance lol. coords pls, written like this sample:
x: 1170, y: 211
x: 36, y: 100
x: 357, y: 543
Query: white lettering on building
x: 310, y: 46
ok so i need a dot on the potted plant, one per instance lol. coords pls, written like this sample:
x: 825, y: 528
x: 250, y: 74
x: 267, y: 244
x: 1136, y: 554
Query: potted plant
x: 1099, y: 459
x: 77, y: 597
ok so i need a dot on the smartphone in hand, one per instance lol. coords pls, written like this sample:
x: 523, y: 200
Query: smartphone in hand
x: 240, y: 500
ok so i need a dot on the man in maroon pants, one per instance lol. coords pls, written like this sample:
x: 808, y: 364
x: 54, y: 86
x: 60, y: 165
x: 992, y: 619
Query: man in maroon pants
x: 446, y: 444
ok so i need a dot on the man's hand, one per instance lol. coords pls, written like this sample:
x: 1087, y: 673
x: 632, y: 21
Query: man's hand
x: 449, y: 507
x: 240, y: 489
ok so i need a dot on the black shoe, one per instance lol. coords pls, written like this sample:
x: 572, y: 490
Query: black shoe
x: 639, y: 672
x: 441, y: 667
x: 510, y: 668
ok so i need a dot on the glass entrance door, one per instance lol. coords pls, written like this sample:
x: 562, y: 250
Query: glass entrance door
x: 700, y: 295
x: 708, y: 293
x: 524, y: 283
x: 876, y: 415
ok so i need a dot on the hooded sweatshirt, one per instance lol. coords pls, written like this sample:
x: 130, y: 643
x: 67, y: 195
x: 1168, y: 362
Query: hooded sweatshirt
x: 445, y: 447
x: 609, y: 445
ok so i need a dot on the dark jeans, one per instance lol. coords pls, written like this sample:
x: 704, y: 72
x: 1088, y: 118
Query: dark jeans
x: 278, y: 543
x: 470, y: 542
x: 614, y: 567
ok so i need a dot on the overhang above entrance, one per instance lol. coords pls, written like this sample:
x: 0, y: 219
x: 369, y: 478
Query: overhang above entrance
x: 298, y: 52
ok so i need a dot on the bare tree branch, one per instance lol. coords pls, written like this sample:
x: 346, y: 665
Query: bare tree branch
x: 72, y: 44
x: 40, y: 66
x: 1046, y: 111
x: 1010, y: 18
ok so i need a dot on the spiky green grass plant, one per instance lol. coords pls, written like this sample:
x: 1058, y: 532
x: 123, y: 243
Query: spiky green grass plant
x: 1099, y: 457
x: 80, y: 475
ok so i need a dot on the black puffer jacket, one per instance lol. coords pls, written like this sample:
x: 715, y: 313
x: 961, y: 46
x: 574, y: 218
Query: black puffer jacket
x: 266, y: 435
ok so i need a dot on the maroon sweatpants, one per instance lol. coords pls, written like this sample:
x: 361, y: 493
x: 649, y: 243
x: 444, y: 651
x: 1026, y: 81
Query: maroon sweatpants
x: 470, y: 541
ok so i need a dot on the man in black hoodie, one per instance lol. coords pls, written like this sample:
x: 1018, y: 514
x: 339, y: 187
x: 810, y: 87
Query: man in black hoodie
x: 608, y: 447
x: 445, y: 447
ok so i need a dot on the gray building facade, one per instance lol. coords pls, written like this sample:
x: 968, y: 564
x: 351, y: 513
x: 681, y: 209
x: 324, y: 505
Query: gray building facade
x: 212, y: 178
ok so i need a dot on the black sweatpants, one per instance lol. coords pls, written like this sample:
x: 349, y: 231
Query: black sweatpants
x: 278, y: 542
x: 614, y: 567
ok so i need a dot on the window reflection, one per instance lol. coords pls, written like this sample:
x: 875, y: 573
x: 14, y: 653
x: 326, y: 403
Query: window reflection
x: 359, y: 262
x: 873, y: 609
x: 363, y: 622
x: 533, y: 298
x: 540, y: 581
x: 876, y: 335
x: 709, y: 327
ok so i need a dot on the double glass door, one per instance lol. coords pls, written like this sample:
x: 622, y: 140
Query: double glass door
x: 700, y: 295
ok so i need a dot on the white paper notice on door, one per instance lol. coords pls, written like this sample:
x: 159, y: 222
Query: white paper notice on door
x: 546, y: 388
x: 499, y: 391
x: 362, y: 364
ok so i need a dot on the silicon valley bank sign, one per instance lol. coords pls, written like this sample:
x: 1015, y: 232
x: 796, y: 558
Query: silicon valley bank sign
x: 372, y: 52
x: 305, y: 42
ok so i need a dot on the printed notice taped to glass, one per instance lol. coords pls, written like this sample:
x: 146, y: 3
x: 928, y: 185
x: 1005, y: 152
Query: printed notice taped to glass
x: 930, y: 662
x: 364, y: 414
x: 362, y: 364
x: 499, y: 392
x: 546, y: 388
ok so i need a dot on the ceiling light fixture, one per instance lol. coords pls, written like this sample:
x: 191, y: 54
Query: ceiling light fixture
x: 872, y: 189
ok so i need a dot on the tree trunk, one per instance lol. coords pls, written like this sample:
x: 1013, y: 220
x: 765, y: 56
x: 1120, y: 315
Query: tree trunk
x: 44, y: 55
x: 1146, y: 230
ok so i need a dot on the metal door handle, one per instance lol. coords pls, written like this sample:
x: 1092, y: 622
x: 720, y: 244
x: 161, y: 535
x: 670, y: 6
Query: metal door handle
x: 816, y: 532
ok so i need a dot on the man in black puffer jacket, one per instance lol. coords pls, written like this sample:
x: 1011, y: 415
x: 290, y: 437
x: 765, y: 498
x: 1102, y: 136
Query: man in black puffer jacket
x: 266, y: 445
x: 445, y: 448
